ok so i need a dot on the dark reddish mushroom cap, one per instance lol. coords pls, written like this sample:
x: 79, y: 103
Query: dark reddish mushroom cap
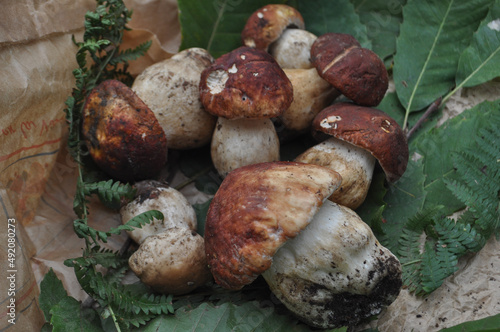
x: 267, y: 24
x: 122, y: 134
x: 367, y: 128
x: 245, y: 83
x: 355, y: 71
x: 256, y: 209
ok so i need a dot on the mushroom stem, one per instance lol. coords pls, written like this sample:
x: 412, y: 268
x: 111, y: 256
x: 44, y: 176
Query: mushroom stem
x: 354, y: 164
x: 241, y: 142
x: 335, y: 272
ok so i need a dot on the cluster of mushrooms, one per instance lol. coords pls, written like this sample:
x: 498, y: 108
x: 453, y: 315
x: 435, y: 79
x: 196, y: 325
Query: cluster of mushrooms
x: 291, y: 222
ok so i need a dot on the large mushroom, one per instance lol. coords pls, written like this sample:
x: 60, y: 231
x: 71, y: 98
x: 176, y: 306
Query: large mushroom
x: 320, y: 260
x: 353, y: 139
x: 244, y: 88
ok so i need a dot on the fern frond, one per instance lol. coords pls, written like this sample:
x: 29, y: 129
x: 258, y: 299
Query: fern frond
x: 437, y: 264
x: 459, y: 238
x: 131, y: 54
x: 110, y: 192
x: 410, y: 258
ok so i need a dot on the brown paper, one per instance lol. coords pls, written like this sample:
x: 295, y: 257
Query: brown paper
x: 38, y: 178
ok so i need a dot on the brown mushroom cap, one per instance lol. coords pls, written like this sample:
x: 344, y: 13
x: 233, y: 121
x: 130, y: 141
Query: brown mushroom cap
x: 267, y: 24
x: 122, y: 134
x: 256, y: 209
x: 370, y: 129
x: 355, y: 71
x: 245, y: 83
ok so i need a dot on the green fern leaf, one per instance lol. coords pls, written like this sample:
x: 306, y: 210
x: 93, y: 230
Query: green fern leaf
x: 110, y: 192
x: 437, y: 264
x: 458, y: 237
x: 479, y: 179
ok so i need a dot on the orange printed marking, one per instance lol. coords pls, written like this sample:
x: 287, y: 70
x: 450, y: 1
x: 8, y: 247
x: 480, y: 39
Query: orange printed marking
x: 3, y: 158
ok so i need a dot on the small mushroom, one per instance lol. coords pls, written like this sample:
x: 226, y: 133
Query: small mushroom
x: 267, y: 24
x: 356, y: 137
x: 122, y: 134
x: 153, y: 195
x: 318, y: 258
x: 358, y: 73
x: 170, y: 88
x: 172, y: 262
x: 246, y: 85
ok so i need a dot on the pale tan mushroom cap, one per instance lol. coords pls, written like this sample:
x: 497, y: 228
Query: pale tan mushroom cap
x: 256, y: 209
x: 172, y: 262
x: 176, y: 209
x: 170, y: 89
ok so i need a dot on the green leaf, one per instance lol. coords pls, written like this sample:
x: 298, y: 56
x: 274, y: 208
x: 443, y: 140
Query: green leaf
x: 249, y: 316
x: 201, y: 215
x: 215, y: 25
x: 404, y: 199
x: 488, y: 324
x: 433, y: 35
x: 51, y: 292
x: 436, y: 147
x: 68, y: 315
x: 382, y: 19
x: 371, y: 211
x: 480, y: 61
x: 197, y: 165
x: 338, y: 16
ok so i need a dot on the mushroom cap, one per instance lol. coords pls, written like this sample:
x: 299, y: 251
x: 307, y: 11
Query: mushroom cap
x: 245, y: 83
x: 171, y: 90
x: 154, y: 195
x: 256, y: 209
x: 172, y: 262
x: 367, y: 128
x: 266, y: 25
x: 355, y: 71
x: 122, y: 134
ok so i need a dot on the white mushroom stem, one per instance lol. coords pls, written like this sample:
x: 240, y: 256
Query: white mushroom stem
x: 334, y: 272
x: 354, y: 164
x: 241, y: 142
x: 311, y: 94
x: 292, y: 49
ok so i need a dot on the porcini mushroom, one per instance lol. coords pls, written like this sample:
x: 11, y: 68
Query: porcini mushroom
x: 170, y: 89
x: 153, y: 195
x: 356, y: 137
x: 334, y: 273
x: 357, y: 72
x: 122, y: 134
x: 172, y: 262
x: 268, y: 23
x: 244, y: 88
x: 255, y: 225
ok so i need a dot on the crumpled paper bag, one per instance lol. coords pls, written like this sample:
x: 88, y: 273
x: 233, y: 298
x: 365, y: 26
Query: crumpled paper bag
x: 38, y: 177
